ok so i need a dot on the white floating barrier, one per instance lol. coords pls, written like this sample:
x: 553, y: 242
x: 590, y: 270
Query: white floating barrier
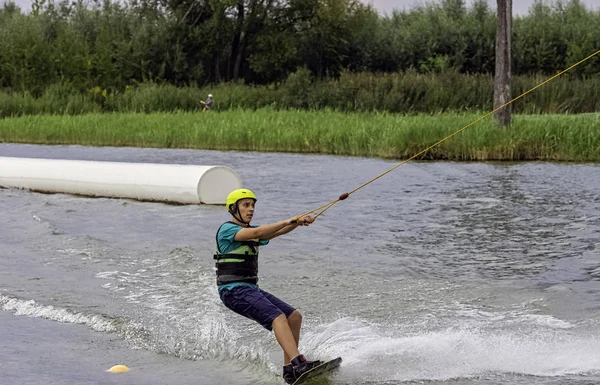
x: 188, y: 184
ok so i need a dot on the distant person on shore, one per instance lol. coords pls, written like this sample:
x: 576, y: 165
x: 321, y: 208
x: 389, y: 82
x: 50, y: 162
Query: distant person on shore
x: 208, y: 103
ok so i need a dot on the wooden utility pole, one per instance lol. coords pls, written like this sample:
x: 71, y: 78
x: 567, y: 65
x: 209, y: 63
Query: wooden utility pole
x: 503, y: 61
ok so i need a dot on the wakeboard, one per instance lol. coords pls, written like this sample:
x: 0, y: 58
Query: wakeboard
x: 323, y: 369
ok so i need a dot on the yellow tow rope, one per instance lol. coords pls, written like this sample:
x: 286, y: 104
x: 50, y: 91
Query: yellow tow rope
x: 345, y: 195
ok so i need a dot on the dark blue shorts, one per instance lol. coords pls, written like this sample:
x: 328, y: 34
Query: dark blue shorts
x: 256, y: 304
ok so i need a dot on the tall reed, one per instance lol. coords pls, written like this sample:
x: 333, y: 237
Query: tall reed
x: 374, y: 134
x: 406, y: 93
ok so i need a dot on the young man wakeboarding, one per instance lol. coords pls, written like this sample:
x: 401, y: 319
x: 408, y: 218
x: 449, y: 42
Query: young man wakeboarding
x: 237, y: 278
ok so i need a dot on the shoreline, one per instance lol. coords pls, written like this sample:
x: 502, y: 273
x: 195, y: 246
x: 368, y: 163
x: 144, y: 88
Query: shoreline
x: 492, y: 161
x: 561, y: 138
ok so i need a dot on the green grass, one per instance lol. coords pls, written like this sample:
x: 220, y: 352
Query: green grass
x: 404, y: 93
x: 385, y: 135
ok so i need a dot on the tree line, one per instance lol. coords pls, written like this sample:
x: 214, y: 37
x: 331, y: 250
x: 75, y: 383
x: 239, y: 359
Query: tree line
x: 114, y: 45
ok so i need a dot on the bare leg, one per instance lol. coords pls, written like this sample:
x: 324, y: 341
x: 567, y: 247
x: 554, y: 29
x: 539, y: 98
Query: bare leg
x: 295, y: 322
x: 286, y: 338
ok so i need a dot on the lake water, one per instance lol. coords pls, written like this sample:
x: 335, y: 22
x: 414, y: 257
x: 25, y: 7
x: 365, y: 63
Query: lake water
x: 437, y: 273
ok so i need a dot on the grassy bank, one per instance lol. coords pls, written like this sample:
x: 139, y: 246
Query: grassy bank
x: 406, y: 93
x: 530, y: 137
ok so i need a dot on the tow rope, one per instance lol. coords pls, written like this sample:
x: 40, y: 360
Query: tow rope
x: 345, y: 195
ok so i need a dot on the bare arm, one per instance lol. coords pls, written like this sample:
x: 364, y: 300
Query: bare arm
x: 304, y: 221
x: 285, y: 230
x: 262, y: 232
x: 273, y: 230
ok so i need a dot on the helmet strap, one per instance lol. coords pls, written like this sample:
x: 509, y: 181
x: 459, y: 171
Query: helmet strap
x: 235, y: 211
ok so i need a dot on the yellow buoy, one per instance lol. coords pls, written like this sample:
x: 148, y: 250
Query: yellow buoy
x: 118, y: 369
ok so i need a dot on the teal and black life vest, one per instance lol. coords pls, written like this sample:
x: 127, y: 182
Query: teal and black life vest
x: 239, y: 265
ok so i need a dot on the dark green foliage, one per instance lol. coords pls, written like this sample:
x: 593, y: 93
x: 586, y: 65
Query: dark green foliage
x: 408, y: 93
x: 114, y: 56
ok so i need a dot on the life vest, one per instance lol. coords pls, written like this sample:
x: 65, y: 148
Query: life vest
x: 239, y: 265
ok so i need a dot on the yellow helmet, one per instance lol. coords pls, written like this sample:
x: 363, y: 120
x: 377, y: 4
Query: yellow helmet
x: 236, y: 195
